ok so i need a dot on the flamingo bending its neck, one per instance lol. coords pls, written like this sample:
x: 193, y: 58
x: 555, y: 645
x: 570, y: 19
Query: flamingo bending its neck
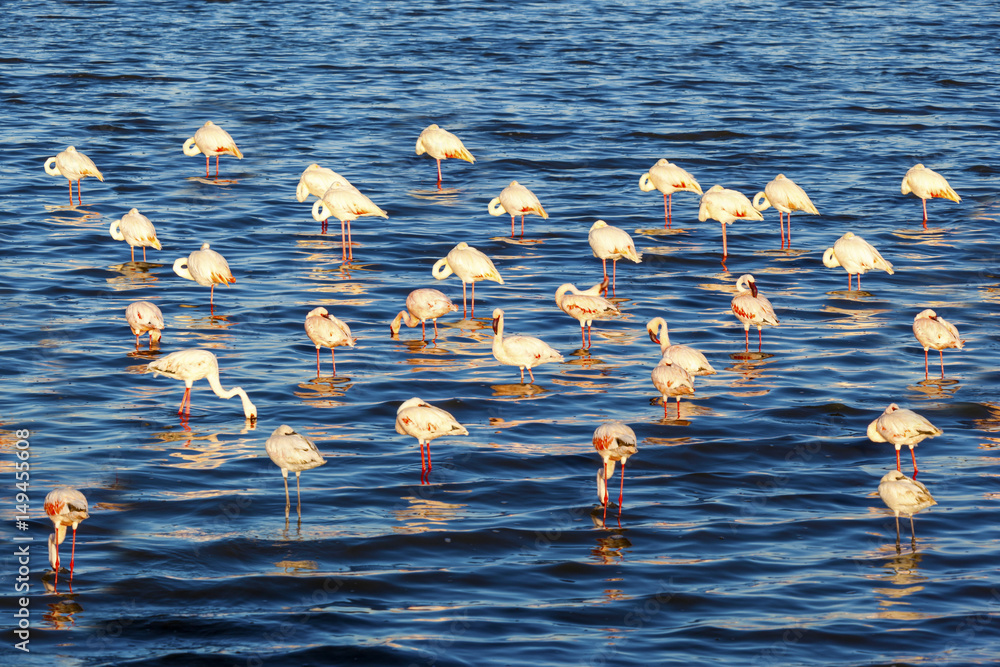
x: 749, y: 307
x: 856, y: 256
x: 899, y: 427
x: 142, y: 317
x: 425, y: 422
x: 783, y: 194
x: 688, y: 358
x: 211, y: 139
x: 668, y: 178
x: 207, y: 268
x: 193, y: 365
x: 137, y: 230
x: 726, y: 206
x: 422, y: 305
x: 608, y: 242
x: 515, y: 199
x: 325, y: 330
x: 471, y: 266
x: 75, y: 166
x: 67, y: 507
x: 586, y: 306
x: 441, y: 144
x: 292, y: 451
x: 521, y: 351
x: 614, y: 441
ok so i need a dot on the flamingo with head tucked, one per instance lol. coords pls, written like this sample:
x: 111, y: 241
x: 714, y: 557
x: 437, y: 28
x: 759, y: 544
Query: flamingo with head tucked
x: 67, y: 507
x: 75, y: 166
x: 422, y: 305
x: 193, y: 365
x: 668, y: 178
x: 608, y: 242
x: 904, y: 495
x: 441, y: 144
x: 726, y: 206
x: 325, y: 330
x: 614, y: 441
x: 211, y: 139
x: 142, y: 317
x: 856, y: 256
x: 207, y: 268
x: 586, y: 306
x: 137, y: 230
x: 521, y: 351
x: 749, y: 307
x: 515, y: 199
x: 471, y: 266
x: 292, y: 451
x: 316, y: 180
x: 902, y: 427
x: 425, y: 422
x: 783, y: 194
x: 927, y: 184
x: 935, y: 332
x: 671, y: 380
x: 688, y: 358
x: 345, y: 202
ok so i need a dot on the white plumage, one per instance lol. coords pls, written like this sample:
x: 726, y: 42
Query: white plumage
x: 525, y: 352
x: 425, y: 422
x: 207, y: 268
x: 904, y: 496
x: 441, y: 144
x: 67, y: 507
x: 470, y: 265
x: 586, y: 306
x: 143, y: 317
x: 668, y: 178
x: 515, y: 199
x: 935, y: 332
x: 688, y: 358
x: 345, y: 202
x: 211, y: 139
x: 856, y: 256
x: 292, y: 451
x: 137, y: 230
x: 195, y: 364
x: 750, y: 307
x: 325, y: 330
x: 726, y: 206
x: 614, y: 441
x: 902, y: 427
x: 422, y: 305
x: 671, y: 380
x: 783, y: 194
x: 927, y: 184
x: 75, y: 166
x: 316, y: 180
x: 608, y: 242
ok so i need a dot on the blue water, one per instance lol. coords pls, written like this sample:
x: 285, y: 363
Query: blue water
x: 751, y: 531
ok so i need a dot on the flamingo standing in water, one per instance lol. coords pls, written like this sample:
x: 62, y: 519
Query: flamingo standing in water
x: 688, y: 358
x: 671, y: 380
x: 515, y: 199
x: 325, y: 330
x: 783, y: 194
x: 751, y: 308
x: 345, y: 202
x: 935, y: 332
x: 422, y: 305
x: 211, y: 139
x: 425, y: 422
x: 316, y: 180
x: 471, y: 266
x: 856, y: 256
x: 902, y: 427
x: 586, y: 306
x: 142, y: 317
x: 137, y: 230
x: 614, y: 441
x: 75, y: 166
x: 927, y: 184
x: 608, y: 242
x: 67, y: 507
x: 726, y: 206
x: 668, y: 178
x: 521, y: 351
x: 441, y: 144
x: 292, y: 451
x: 904, y: 495
x: 193, y: 365
x: 207, y: 268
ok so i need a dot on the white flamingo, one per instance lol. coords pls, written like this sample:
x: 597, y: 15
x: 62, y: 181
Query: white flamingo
x: 425, y: 422
x: 325, y: 330
x: 586, y: 306
x: 521, y: 351
x: 143, y: 317
x: 904, y: 495
x: 608, y: 242
x: 614, y: 441
x: 856, y: 256
x: 137, y: 230
x: 935, y: 332
x: 668, y: 178
x: 726, y: 206
x: 67, y: 507
x: 783, y: 194
x: 207, y: 268
x: 515, y: 199
x: 671, y: 380
x: 75, y: 166
x: 902, y: 427
x: 345, y: 202
x: 211, y: 139
x: 192, y: 365
x: 688, y: 358
x: 292, y: 451
x: 441, y: 144
x: 749, y: 307
x: 927, y: 184
x: 422, y: 305
x: 316, y: 180
x: 471, y: 266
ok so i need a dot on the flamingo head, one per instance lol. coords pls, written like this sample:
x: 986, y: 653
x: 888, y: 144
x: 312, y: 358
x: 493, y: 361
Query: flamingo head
x: 892, y: 408
x: 497, y: 319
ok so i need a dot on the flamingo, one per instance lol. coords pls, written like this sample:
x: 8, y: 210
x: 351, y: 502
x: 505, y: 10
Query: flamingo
x: 137, y: 230
x: 586, y: 306
x: 66, y: 507
x: 316, y: 180
x: 207, y: 268
x: 783, y: 194
x: 142, y: 317
x: 856, y: 256
x: 670, y: 379
x: 521, y: 351
x: 726, y: 206
x: 192, y: 365
x: 516, y: 199
x: 688, y: 358
x: 75, y: 166
x: 344, y: 202
x: 608, y: 242
x: 425, y: 422
x: 927, y: 184
x: 471, y: 266
x: 422, y: 305
x: 751, y: 308
x: 325, y: 330
x: 292, y: 451
x: 614, y: 441
x: 902, y: 427
x: 904, y: 495
x: 933, y: 331
x: 441, y: 144
x: 668, y: 178
x: 211, y: 139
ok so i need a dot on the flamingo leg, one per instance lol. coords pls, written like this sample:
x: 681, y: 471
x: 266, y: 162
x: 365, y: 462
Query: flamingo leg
x: 463, y: 299
x: 897, y: 460
x: 859, y: 282
x: 604, y: 265
x: 288, y: 501
x: 350, y: 244
x: 72, y: 556
x: 334, y: 358
x: 317, y: 362
x: 512, y: 225
x: 724, y: 251
x: 137, y: 341
x: 70, y: 191
x: 678, y: 407
x: 184, y: 399
x: 532, y: 375
x: 144, y: 253
x: 473, y: 305
x: 913, y: 453
x: 583, y: 340
x: 621, y: 491
x: 132, y: 248
x: 941, y: 352
x: 216, y: 165
x: 429, y: 464
x: 423, y: 329
x: 435, y: 329
x: 522, y: 376
x: 924, y: 201
x: 789, y: 230
x: 211, y: 296
x: 439, y: 173
x: 746, y: 336
x: 781, y: 223
x: 589, y: 340
x: 926, y: 370
x: 343, y: 242
x: 760, y: 340
x: 298, y: 494
x: 614, y: 273
x: 665, y: 402
x: 423, y: 466
x: 206, y: 165
x: 668, y: 206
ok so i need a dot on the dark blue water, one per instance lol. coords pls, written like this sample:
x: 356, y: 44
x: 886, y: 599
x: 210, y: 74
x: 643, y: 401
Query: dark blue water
x: 751, y: 531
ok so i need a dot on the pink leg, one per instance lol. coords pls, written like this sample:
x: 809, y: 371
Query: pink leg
x: 144, y: 253
x: 926, y: 372
x: 941, y: 352
x: 211, y: 296
x: 350, y: 244
x: 463, y: 299
x: 334, y: 358
x: 137, y: 341
x: 614, y: 273
x: 725, y: 253
x: 589, y: 342
x: 317, y: 362
x: 79, y: 194
x: 343, y: 242
x: 429, y: 464
x: 439, y: 174
x: 746, y: 337
x: 678, y: 407
x: 423, y: 466
x: 512, y: 225
x: 781, y: 222
x: 522, y: 376
x: 435, y: 329
x: 72, y: 554
x: 583, y: 340
x: 859, y: 282
x: 897, y: 460
x: 206, y: 165
x: 184, y: 399
x: 666, y: 401
x: 913, y: 453
x: 604, y: 265
x: 473, y: 307
x: 789, y: 230
x: 760, y: 340
x: 925, y: 212
x: 666, y: 212
x: 423, y: 329
x: 530, y: 374
x: 522, y: 225
x: 132, y: 248
x: 70, y: 191
x: 216, y: 165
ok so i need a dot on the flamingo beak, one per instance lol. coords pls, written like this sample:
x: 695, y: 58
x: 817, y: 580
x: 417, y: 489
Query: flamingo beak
x: 653, y: 337
x: 753, y: 289
x: 495, y: 321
